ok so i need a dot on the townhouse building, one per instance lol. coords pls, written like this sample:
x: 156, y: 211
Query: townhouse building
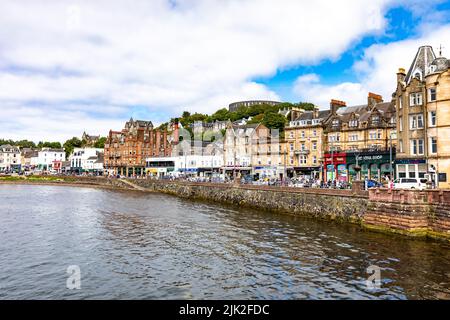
x: 48, y: 159
x: 253, y: 149
x: 360, y: 141
x: 422, y: 101
x: 87, y: 160
x: 126, y: 151
x: 10, y: 158
x: 304, y: 142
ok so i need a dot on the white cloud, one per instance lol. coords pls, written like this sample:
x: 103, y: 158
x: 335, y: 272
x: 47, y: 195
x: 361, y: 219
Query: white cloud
x: 197, y: 54
x: 376, y: 71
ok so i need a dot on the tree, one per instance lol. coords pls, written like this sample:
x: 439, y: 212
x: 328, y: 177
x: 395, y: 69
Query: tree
x: 71, y: 144
x: 52, y: 145
x: 25, y: 144
x: 306, y: 106
x: 221, y: 115
x: 257, y: 119
x: 100, y: 143
x: 186, y: 114
x: 273, y: 120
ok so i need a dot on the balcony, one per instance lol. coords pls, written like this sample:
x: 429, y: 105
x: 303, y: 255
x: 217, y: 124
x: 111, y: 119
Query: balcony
x: 303, y: 152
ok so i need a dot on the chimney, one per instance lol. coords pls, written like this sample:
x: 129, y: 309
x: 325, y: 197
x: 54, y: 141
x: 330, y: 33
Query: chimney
x: 336, y: 104
x: 401, y: 75
x: 373, y: 99
x: 316, y: 112
x: 176, y: 131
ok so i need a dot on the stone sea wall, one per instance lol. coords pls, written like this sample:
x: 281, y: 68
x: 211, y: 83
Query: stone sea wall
x: 410, y: 212
x: 341, y: 205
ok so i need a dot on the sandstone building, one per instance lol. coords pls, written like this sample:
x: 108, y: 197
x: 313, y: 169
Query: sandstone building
x: 126, y: 150
x: 423, y: 115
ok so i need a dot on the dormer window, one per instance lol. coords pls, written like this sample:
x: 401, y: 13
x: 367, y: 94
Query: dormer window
x: 375, y: 120
x: 335, y: 124
x: 418, y: 74
x: 353, y: 123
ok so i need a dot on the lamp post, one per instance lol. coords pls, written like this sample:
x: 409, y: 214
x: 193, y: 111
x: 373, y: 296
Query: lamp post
x: 391, y: 171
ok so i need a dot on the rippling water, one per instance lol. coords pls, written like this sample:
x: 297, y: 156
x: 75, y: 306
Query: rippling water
x: 147, y: 246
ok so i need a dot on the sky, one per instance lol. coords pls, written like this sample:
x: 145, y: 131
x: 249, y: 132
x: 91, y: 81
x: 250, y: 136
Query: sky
x: 73, y: 66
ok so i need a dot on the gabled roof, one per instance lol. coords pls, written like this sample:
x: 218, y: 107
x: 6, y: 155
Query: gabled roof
x: 422, y: 61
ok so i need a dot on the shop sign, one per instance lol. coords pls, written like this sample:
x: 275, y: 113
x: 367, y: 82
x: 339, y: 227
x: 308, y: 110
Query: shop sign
x: 410, y: 161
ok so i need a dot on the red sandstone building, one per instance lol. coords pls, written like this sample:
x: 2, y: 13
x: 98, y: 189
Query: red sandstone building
x: 126, y: 150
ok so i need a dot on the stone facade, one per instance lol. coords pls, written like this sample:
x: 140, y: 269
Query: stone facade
x: 126, y: 150
x: 423, y: 213
x: 236, y: 105
x: 254, y: 149
x: 423, y: 115
x: 304, y: 142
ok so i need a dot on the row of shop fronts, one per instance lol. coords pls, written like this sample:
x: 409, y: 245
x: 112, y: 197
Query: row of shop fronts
x: 343, y: 167
x: 346, y: 167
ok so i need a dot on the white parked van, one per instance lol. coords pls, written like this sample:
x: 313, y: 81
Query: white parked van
x: 410, y: 183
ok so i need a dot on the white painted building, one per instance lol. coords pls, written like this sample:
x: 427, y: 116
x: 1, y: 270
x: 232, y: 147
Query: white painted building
x: 198, y: 165
x: 49, y: 159
x: 87, y: 160
x: 10, y: 158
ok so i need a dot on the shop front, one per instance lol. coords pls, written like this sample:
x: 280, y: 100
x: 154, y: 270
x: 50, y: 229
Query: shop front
x: 372, y: 165
x: 308, y: 172
x: 335, y: 167
x: 262, y: 172
x: 240, y: 171
x: 411, y: 168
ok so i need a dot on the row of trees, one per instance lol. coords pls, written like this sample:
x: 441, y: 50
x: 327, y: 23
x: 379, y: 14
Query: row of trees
x: 69, y: 145
x: 31, y: 144
x: 264, y: 113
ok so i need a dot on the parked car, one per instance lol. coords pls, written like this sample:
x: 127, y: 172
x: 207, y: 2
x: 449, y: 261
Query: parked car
x: 373, y: 184
x: 410, y: 183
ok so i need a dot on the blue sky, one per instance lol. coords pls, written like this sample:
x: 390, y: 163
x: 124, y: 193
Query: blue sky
x: 401, y: 24
x: 90, y: 66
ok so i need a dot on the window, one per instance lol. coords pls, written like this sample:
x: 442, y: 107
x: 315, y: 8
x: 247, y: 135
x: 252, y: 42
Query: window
x: 291, y: 147
x: 400, y: 123
x: 334, y: 137
x: 415, y: 99
x: 432, y: 117
x: 375, y: 134
x: 416, y: 121
x: 375, y: 120
x: 303, y: 147
x: 354, y: 137
x: 432, y: 94
x: 400, y: 102
x: 302, y: 159
x: 335, y: 124
x: 314, y: 160
x: 303, y: 134
x: 417, y: 147
x: 314, y: 133
x: 291, y: 134
x: 353, y: 123
x: 314, y: 145
x: 400, y: 146
x: 433, y: 145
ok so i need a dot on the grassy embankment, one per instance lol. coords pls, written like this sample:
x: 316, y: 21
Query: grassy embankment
x: 36, y: 179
